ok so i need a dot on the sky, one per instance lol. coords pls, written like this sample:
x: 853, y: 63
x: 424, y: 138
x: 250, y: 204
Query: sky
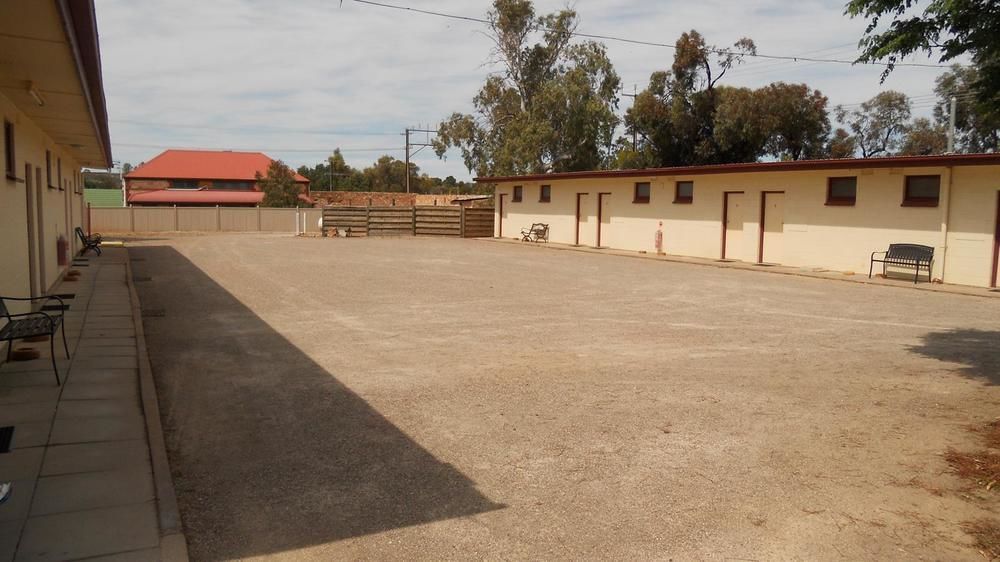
x: 297, y: 78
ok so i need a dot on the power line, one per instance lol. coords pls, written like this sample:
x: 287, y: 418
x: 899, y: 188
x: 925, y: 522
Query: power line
x: 788, y: 58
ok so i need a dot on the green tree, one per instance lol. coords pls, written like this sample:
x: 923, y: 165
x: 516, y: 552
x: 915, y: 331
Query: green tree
x: 675, y: 117
x: 879, y: 124
x: 977, y: 124
x: 389, y: 174
x: 946, y: 29
x: 841, y: 145
x: 279, y: 187
x: 923, y: 138
x: 797, y: 121
x: 551, y: 109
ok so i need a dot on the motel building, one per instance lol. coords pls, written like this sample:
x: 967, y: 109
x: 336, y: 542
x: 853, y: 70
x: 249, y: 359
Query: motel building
x: 824, y: 214
x: 54, y: 123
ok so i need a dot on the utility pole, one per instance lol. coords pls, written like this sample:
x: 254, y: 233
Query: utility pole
x: 951, y: 124
x: 409, y: 144
x: 635, y: 138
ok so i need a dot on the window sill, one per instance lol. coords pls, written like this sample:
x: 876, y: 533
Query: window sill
x: 920, y: 203
x: 515, y: 201
x: 640, y: 201
x: 544, y: 200
x: 684, y: 201
x: 840, y: 202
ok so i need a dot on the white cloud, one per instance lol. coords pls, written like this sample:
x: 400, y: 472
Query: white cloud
x: 311, y: 75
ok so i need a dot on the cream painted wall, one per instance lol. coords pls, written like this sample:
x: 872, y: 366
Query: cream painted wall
x: 62, y: 209
x: 814, y: 235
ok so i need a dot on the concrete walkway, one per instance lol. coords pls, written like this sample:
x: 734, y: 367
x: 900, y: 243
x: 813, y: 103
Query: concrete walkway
x: 84, y: 484
x: 818, y: 273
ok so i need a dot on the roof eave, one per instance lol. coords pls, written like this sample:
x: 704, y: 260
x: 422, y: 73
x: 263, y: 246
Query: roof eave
x: 797, y: 165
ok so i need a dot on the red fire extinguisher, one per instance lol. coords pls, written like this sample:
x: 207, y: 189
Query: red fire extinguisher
x: 658, y: 239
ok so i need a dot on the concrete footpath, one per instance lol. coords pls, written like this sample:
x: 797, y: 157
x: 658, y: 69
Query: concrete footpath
x: 89, y: 471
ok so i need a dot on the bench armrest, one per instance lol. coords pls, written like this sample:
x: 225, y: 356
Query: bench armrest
x: 882, y: 252
x: 41, y: 298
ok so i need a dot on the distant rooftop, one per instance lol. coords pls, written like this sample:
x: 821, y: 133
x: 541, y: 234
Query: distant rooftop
x: 205, y: 165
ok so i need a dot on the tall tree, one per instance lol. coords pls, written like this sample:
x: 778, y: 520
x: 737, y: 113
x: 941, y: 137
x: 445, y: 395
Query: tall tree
x: 977, y: 124
x: 923, y: 138
x: 797, y: 121
x: 945, y: 28
x: 879, y: 124
x: 279, y: 187
x: 551, y: 109
x: 675, y: 117
x: 841, y: 145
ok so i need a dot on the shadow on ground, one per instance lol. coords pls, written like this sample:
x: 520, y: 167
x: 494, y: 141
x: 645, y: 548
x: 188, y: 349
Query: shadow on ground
x: 977, y: 350
x: 269, y: 451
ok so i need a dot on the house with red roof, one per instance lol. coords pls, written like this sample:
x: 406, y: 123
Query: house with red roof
x: 192, y: 178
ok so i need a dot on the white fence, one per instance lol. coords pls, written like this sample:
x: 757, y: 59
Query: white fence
x: 204, y: 219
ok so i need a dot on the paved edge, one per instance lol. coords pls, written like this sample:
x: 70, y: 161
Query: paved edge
x: 743, y: 266
x: 173, y: 544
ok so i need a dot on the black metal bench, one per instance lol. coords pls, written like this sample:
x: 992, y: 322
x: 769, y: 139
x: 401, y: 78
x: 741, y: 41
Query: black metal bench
x: 92, y: 242
x: 905, y: 255
x: 31, y: 324
x: 539, y: 232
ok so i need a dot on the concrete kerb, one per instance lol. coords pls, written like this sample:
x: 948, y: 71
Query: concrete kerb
x: 779, y: 270
x: 173, y: 545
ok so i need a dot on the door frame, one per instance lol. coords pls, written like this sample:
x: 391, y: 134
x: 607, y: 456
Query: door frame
x: 760, y: 237
x: 600, y: 215
x: 996, y: 246
x: 578, y: 209
x: 40, y: 223
x: 29, y: 189
x: 725, y: 217
x: 500, y: 216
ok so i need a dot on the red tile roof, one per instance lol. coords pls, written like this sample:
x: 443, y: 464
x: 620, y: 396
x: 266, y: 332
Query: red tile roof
x: 205, y: 165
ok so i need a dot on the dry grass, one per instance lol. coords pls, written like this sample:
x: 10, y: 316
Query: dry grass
x: 981, y: 467
x: 987, y: 535
x: 990, y: 433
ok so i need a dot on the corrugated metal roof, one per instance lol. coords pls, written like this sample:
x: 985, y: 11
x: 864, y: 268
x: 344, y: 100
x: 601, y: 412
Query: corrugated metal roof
x: 205, y: 165
x: 196, y: 197
x: 795, y: 165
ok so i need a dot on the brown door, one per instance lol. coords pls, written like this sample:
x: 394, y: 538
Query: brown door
x: 996, y: 247
x: 500, y: 214
x: 603, y: 216
x: 732, y: 222
x: 772, y: 227
x: 580, y: 218
x: 29, y: 198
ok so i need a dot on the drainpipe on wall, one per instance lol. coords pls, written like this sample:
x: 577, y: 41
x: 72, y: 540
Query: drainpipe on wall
x: 945, y: 219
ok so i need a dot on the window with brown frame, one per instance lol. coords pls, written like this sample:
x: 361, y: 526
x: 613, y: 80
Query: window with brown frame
x: 922, y: 191
x: 59, y: 182
x: 641, y: 193
x: 842, y: 191
x: 518, y: 194
x: 48, y: 169
x: 9, y: 164
x: 684, y: 192
x: 545, y: 194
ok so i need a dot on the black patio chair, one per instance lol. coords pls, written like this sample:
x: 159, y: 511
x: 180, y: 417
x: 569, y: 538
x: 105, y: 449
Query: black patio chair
x: 31, y: 324
x: 92, y: 242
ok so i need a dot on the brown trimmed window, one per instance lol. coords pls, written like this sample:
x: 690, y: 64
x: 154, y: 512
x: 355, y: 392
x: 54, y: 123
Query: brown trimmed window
x: 922, y: 191
x: 842, y: 191
x: 48, y: 169
x: 641, y: 193
x: 545, y: 194
x: 59, y: 182
x: 518, y: 194
x: 684, y: 192
x: 9, y: 164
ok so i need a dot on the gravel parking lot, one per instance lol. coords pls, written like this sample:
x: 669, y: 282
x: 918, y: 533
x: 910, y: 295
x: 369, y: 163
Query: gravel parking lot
x: 439, y: 399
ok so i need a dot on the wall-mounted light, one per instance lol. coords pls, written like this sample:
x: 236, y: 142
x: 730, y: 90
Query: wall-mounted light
x: 35, y: 94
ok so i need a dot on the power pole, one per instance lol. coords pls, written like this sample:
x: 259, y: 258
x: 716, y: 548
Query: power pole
x: 635, y: 137
x: 409, y: 144
x: 951, y: 124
